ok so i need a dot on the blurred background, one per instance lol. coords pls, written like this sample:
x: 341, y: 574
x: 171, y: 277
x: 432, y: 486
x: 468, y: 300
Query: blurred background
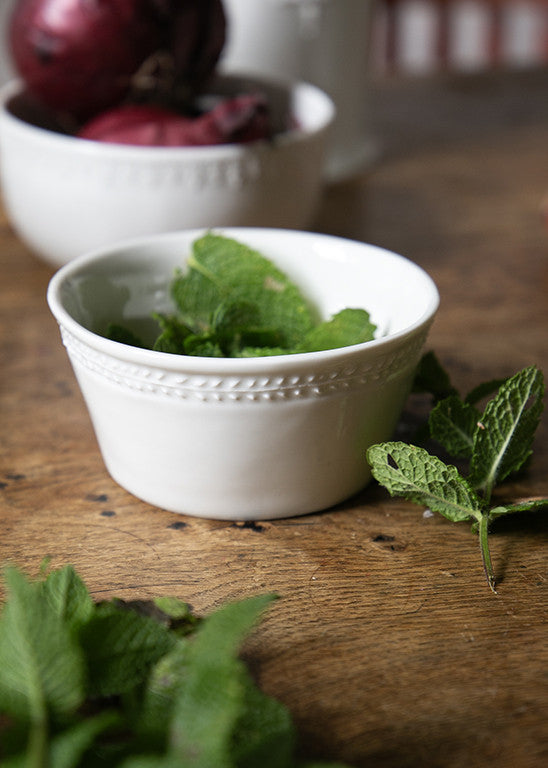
x: 343, y: 46
x: 406, y: 33
x: 420, y: 36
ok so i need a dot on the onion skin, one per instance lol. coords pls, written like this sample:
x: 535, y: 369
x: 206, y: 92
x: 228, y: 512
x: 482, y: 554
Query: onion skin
x: 237, y: 120
x: 78, y: 56
x: 196, y: 38
x: 241, y: 119
x: 139, y: 125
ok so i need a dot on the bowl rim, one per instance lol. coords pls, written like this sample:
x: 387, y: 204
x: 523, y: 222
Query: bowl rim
x: 227, y: 366
x: 68, y: 142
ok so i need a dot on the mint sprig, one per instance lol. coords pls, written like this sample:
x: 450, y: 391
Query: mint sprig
x: 131, y: 684
x: 231, y: 301
x: 496, y: 442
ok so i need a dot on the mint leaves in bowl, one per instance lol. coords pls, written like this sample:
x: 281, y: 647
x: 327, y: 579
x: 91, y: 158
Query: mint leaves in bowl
x: 243, y: 373
x: 231, y: 301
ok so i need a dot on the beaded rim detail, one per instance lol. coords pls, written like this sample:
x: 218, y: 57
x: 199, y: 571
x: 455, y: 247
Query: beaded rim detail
x: 214, y: 388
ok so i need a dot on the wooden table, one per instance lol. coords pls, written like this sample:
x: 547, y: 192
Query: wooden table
x: 386, y: 643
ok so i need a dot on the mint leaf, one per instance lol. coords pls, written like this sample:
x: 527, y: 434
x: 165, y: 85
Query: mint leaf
x: 68, y: 596
x: 221, y: 269
x: 262, y: 351
x: 231, y: 301
x: 229, y: 317
x: 164, y: 684
x: 42, y: 671
x: 203, y: 345
x: 486, y: 389
x: 177, y: 610
x: 413, y: 473
x: 172, y: 336
x: 222, y: 633
x: 322, y: 765
x: 535, y: 505
x: 453, y: 424
x: 147, y: 702
x: 432, y: 378
x: 206, y: 713
x: 236, y: 325
x: 121, y: 646
x: 212, y: 701
x: 497, y: 442
x: 152, y: 761
x: 123, y: 335
x: 348, y: 327
x: 264, y: 734
x: 504, y: 439
x: 68, y: 747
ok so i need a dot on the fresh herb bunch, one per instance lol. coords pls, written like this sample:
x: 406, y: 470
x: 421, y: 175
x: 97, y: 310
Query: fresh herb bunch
x: 234, y: 302
x: 495, y: 443
x: 131, y: 684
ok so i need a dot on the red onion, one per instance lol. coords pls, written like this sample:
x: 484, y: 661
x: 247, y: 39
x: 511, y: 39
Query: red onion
x: 196, y: 38
x: 139, y: 124
x: 78, y: 56
x: 239, y: 119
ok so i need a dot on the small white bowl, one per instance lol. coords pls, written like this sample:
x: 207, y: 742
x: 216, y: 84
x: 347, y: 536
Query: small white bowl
x: 244, y: 439
x: 66, y: 196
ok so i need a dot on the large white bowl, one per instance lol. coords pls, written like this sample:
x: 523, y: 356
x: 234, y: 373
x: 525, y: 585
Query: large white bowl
x: 243, y: 438
x: 66, y: 196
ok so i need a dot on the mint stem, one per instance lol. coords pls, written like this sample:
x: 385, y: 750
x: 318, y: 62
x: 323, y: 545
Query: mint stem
x: 37, y: 745
x: 485, y: 553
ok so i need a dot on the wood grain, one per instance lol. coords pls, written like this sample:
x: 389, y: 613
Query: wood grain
x: 386, y: 642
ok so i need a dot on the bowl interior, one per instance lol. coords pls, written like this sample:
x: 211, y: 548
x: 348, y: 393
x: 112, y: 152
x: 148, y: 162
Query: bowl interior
x: 296, y: 107
x: 126, y: 284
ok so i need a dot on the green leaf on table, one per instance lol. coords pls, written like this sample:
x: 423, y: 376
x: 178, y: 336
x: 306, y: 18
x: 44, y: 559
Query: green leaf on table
x: 212, y: 700
x: 42, y: 671
x: 497, y: 442
x: 67, y: 594
x: 176, y: 609
x: 264, y: 734
x: 152, y: 698
x: 432, y: 378
x: 222, y: 633
x: 483, y: 390
x: 348, y: 327
x: 453, y: 424
x: 504, y: 439
x: 314, y: 764
x: 413, y: 473
x: 152, y: 761
x: 164, y: 684
x: 68, y: 747
x: 535, y: 505
x: 206, y: 713
x: 121, y: 646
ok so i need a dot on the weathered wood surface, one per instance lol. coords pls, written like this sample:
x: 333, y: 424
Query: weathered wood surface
x: 386, y: 643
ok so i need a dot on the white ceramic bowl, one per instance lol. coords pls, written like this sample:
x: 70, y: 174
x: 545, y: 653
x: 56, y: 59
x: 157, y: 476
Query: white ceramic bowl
x: 241, y: 438
x: 66, y: 196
